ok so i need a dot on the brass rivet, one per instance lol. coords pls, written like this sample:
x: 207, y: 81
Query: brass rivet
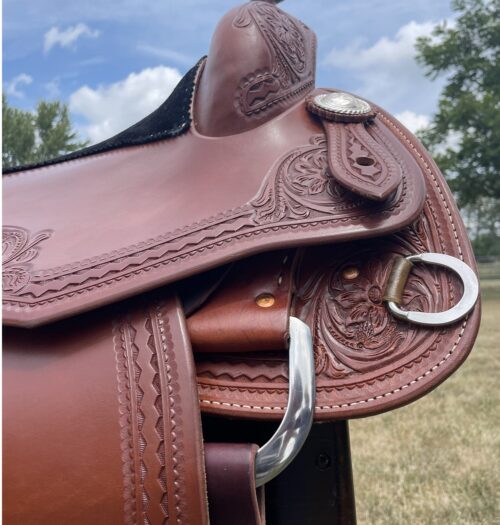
x: 350, y: 273
x: 265, y: 300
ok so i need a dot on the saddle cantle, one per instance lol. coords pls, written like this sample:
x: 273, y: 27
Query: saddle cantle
x: 248, y: 198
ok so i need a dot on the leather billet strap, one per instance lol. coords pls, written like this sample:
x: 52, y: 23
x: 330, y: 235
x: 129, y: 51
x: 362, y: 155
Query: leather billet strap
x: 232, y: 494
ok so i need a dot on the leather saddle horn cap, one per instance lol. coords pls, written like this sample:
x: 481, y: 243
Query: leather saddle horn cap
x: 268, y: 66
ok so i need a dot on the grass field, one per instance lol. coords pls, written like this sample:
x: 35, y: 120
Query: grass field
x: 437, y: 461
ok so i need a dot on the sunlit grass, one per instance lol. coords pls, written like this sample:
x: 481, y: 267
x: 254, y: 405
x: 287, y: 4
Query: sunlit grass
x: 437, y: 461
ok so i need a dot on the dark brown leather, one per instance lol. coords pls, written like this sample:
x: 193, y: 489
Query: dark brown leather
x: 317, y: 488
x: 260, y: 211
x: 232, y: 495
x: 367, y: 361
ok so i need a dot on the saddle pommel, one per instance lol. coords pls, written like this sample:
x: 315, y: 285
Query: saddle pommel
x: 261, y: 61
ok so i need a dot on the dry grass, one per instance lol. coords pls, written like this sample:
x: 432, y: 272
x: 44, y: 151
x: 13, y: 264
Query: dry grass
x: 437, y: 461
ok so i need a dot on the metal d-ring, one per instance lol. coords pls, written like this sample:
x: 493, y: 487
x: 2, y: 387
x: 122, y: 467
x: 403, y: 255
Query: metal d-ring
x: 285, y: 444
x: 460, y: 310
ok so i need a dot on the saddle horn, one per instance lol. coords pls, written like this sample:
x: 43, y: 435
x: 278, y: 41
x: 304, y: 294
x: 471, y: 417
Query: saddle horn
x: 259, y: 75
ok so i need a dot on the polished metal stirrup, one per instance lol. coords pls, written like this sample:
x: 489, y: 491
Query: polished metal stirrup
x: 286, y: 442
x: 398, y: 277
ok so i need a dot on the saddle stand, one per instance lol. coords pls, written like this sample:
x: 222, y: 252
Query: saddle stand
x: 254, y: 256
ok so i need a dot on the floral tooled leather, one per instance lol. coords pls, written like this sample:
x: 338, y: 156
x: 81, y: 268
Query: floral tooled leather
x: 19, y: 247
x: 366, y: 360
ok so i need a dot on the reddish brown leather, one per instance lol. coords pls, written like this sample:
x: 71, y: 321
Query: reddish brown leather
x: 228, y: 384
x: 262, y: 190
x: 232, y: 495
x: 240, y: 90
x: 233, y: 320
x: 366, y: 360
x: 101, y: 421
x: 359, y: 162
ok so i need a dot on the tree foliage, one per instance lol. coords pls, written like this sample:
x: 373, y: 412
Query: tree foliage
x: 18, y: 135
x: 35, y: 137
x: 464, y: 135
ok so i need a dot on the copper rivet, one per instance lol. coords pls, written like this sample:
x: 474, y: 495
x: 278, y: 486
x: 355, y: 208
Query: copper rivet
x: 350, y: 273
x: 265, y: 300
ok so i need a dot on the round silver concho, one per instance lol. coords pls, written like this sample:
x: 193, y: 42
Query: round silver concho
x: 342, y: 107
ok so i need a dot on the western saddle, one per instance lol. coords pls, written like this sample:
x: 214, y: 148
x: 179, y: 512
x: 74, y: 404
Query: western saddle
x: 192, y: 302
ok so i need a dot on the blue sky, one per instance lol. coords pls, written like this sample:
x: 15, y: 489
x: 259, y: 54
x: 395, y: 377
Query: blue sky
x: 114, y: 61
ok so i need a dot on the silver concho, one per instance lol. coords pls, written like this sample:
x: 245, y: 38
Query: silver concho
x: 342, y: 103
x: 341, y: 107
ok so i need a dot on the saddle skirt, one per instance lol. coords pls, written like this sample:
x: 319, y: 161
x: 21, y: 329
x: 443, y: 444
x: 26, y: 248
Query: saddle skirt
x: 256, y: 197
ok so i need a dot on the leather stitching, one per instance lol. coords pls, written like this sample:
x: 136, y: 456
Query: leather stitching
x: 428, y: 372
x: 354, y: 403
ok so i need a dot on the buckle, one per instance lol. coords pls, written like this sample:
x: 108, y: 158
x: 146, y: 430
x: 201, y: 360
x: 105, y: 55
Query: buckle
x: 399, y: 276
x: 273, y: 457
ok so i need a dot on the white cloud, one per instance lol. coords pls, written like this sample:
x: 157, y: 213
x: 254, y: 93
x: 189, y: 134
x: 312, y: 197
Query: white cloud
x: 416, y: 122
x: 12, y: 88
x: 385, y: 52
x: 53, y: 89
x: 110, y: 109
x: 387, y: 72
x: 413, y: 121
x: 67, y: 37
x: 166, y: 54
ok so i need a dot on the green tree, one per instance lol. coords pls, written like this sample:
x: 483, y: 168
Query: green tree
x: 35, y: 137
x: 18, y: 135
x: 464, y: 135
